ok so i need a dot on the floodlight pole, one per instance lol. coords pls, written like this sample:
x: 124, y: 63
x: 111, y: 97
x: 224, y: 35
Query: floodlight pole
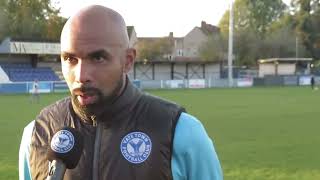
x: 297, y: 47
x: 230, y: 45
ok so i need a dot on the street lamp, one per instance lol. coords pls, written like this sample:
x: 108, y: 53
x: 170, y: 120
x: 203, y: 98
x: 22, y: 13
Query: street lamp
x: 230, y: 45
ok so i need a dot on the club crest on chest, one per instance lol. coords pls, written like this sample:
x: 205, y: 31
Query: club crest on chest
x: 136, y: 147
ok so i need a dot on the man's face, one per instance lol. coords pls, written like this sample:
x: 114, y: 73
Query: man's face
x: 93, y: 67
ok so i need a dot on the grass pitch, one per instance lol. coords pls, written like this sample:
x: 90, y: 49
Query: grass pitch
x: 259, y: 133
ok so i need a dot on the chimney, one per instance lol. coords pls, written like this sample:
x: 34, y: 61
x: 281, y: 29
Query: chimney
x: 203, y: 24
x: 171, y: 35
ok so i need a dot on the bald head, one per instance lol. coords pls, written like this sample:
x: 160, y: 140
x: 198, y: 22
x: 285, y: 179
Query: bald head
x: 95, y: 24
x: 95, y: 54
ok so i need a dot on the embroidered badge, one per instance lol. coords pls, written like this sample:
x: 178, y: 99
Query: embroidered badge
x: 136, y: 147
x: 62, y: 141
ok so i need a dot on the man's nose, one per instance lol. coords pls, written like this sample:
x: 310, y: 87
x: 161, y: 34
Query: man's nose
x: 82, y: 72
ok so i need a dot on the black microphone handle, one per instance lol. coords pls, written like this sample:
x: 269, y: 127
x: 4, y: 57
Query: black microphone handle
x: 56, y: 170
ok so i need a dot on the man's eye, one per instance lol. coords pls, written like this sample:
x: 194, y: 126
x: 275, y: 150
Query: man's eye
x: 69, y: 59
x: 98, y: 58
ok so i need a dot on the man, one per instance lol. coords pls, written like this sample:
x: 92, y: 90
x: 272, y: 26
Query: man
x: 35, y: 97
x: 127, y: 133
x: 312, y: 82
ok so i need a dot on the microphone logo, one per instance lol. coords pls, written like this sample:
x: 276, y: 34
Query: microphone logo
x: 62, y: 141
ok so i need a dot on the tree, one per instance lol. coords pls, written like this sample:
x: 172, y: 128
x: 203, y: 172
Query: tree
x: 264, y: 13
x: 246, y: 41
x: 54, y: 26
x: 241, y: 21
x: 31, y: 19
x: 253, y: 20
x: 282, y: 39
x: 307, y: 14
x: 247, y: 47
x: 154, y: 49
x: 214, y: 49
x: 3, y: 22
x: 253, y: 15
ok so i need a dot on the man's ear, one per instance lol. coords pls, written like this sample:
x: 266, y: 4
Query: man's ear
x: 130, y: 57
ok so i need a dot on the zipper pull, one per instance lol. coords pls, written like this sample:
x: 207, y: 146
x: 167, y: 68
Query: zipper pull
x: 94, y: 120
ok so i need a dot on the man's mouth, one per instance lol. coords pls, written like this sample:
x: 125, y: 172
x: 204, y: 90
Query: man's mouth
x: 87, y: 99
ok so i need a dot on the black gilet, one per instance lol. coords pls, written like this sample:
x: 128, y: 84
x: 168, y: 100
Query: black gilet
x: 136, y: 124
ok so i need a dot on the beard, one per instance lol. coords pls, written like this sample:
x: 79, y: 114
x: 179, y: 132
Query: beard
x: 102, y: 102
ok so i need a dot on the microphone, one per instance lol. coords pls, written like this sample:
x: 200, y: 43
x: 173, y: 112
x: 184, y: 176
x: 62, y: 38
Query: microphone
x: 64, y: 152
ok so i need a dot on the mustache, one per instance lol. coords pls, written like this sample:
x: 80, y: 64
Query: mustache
x: 85, y: 90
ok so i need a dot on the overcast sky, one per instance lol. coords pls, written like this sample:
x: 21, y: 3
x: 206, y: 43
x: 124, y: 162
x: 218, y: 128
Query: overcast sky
x: 156, y: 18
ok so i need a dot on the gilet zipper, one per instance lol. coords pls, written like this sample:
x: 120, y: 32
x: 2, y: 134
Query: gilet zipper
x: 97, y: 143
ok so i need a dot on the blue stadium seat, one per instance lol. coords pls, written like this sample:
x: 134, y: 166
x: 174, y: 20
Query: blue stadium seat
x: 25, y: 72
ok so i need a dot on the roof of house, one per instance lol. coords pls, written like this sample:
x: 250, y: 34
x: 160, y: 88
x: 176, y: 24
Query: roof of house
x: 150, y: 39
x: 208, y: 28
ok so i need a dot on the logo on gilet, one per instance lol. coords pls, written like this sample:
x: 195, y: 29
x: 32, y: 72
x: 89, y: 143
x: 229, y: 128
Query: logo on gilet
x: 136, y: 147
x: 62, y: 141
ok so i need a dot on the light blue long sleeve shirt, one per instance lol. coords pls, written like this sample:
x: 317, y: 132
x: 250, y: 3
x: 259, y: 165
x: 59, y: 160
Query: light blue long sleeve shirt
x: 193, y: 158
